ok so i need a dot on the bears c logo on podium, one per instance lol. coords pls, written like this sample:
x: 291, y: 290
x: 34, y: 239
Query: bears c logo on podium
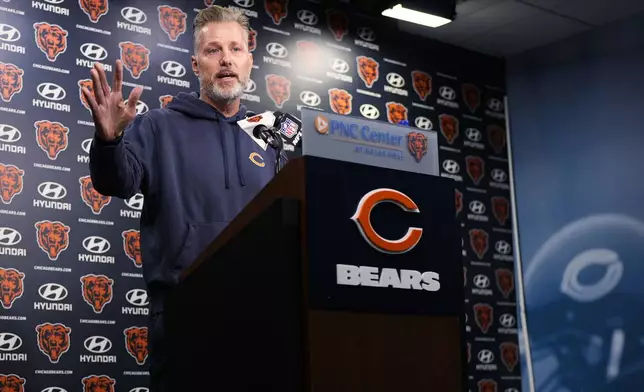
x: 362, y: 218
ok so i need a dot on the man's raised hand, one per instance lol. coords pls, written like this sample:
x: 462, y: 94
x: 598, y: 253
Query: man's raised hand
x: 110, y: 112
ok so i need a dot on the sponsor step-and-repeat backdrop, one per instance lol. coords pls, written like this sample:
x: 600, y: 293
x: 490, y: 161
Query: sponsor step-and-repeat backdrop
x: 74, y: 304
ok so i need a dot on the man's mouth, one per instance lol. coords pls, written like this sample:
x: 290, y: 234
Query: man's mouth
x: 226, y: 75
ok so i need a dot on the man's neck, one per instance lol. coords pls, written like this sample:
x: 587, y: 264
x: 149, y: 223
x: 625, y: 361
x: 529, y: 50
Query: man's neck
x: 228, y: 107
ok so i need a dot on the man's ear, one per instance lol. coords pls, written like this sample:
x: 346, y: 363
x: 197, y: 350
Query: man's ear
x: 195, y: 65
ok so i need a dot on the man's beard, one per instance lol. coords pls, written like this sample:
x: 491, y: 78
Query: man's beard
x: 217, y: 94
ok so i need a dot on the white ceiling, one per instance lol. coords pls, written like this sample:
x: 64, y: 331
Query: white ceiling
x: 507, y: 27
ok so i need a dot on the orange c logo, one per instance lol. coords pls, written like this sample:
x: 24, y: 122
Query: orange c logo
x: 257, y: 159
x: 362, y: 218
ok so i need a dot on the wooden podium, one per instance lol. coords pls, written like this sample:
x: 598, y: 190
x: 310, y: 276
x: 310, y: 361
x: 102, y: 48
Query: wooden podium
x: 310, y: 290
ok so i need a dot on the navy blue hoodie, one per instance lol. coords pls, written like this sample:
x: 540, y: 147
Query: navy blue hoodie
x: 196, y: 169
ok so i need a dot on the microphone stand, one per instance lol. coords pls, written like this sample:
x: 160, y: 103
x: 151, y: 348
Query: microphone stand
x: 271, y: 137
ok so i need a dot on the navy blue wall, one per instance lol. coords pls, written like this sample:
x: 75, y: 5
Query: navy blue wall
x: 576, y: 112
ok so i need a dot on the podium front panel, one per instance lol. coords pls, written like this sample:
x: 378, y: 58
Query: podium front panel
x: 381, y: 240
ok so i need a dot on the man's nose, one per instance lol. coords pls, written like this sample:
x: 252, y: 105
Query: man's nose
x: 225, y: 57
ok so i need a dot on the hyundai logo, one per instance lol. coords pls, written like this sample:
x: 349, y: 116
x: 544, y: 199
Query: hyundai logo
x: 451, y: 166
x: 250, y: 86
x: 173, y: 69
x: 503, y: 247
x: 423, y: 123
x: 473, y: 134
x: 395, y: 80
x: 499, y: 175
x: 137, y: 297
x: 141, y: 107
x: 52, y: 292
x: 97, y: 344
x: 9, y: 133
x: 135, y: 202
x: 9, y: 33
x: 481, y: 281
x: 369, y: 111
x: 507, y: 320
x: 51, y: 91
x: 277, y: 50
x: 52, y: 190
x: 307, y: 17
x: 93, y: 51
x: 339, y: 66
x: 447, y: 93
x: 53, y: 389
x: 133, y: 15
x: 55, y: 1
x: 486, y: 356
x: 245, y: 3
x: 9, y: 341
x: 86, y: 145
x: 96, y: 244
x: 9, y: 236
x: 139, y: 389
x: 367, y: 34
x: 477, y: 207
x: 310, y: 98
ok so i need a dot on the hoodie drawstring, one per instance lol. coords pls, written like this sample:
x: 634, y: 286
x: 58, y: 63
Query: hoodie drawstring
x: 240, y: 169
x: 225, y: 155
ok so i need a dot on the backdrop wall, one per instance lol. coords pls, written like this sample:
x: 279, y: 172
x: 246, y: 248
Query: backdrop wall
x: 576, y: 124
x: 74, y: 304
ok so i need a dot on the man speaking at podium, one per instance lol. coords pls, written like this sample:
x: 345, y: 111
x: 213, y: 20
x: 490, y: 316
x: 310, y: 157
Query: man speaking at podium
x: 195, y: 166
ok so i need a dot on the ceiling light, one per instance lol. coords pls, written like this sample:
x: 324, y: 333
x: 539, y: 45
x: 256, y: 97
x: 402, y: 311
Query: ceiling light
x: 413, y: 16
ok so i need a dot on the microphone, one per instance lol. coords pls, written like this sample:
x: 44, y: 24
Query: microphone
x: 290, y: 129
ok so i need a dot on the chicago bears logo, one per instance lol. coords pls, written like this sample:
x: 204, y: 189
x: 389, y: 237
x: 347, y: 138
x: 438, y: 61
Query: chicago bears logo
x: 94, y: 9
x: 135, y: 58
x: 501, y: 209
x: 338, y: 23
x: 367, y: 70
x: 11, y: 286
x: 449, y: 127
x: 164, y: 100
x: 504, y: 281
x: 10, y: 80
x: 487, y: 385
x: 458, y: 196
x: 51, y: 39
x: 97, y: 291
x: 132, y: 246
x: 309, y: 54
x: 496, y: 137
x: 89, y: 85
x: 208, y: 3
x: 509, y: 355
x: 252, y: 40
x: 52, y: 137
x: 396, y: 112
x: 11, y: 182
x: 172, y: 21
x: 52, y: 237
x: 94, y: 200
x: 276, y: 9
x: 53, y: 340
x: 483, y: 315
x: 278, y: 89
x: 422, y: 84
x: 12, y: 383
x: 471, y: 96
x: 340, y: 101
x: 479, y: 242
x: 255, y: 119
x: 136, y: 343
x: 98, y: 384
x: 417, y: 145
x: 475, y: 168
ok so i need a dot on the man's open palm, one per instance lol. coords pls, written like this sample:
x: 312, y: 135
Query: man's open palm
x: 110, y: 112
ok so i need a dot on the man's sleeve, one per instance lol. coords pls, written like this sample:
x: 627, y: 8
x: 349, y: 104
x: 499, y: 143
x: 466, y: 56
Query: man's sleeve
x: 126, y: 165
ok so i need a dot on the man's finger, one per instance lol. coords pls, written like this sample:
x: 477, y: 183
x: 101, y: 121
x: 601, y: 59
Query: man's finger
x: 98, y: 89
x: 101, y: 73
x: 135, y: 94
x: 89, y: 98
x: 118, y: 77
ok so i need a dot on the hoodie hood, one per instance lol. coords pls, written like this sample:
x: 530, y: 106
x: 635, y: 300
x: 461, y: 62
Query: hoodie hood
x: 189, y: 104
